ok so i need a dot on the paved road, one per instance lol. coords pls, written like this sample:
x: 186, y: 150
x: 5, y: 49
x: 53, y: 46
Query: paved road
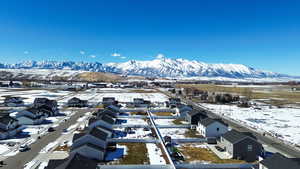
x: 272, y: 142
x: 18, y: 161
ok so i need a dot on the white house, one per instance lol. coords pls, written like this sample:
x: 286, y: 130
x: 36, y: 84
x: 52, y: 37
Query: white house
x: 212, y: 127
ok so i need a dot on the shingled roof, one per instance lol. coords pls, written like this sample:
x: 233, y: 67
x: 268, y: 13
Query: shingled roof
x: 75, y: 161
x: 98, y: 133
x: 278, y: 161
x: 6, y: 119
x: 233, y: 136
x: 207, y: 121
x: 96, y: 147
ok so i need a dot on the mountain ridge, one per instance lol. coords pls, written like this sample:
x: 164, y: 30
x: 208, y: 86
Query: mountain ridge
x: 159, y: 67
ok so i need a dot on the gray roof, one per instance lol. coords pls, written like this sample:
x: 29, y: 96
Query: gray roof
x: 180, y: 106
x: 97, y: 147
x: 74, y: 161
x: 98, y: 133
x: 195, y: 112
x: 107, y: 119
x: 207, y: 121
x: 278, y: 161
x: 234, y: 136
x: 6, y: 119
x: 107, y: 112
x: 78, y: 135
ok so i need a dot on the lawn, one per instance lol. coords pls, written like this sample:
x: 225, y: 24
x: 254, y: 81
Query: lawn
x: 137, y: 153
x: 163, y: 113
x: 192, y: 134
x: 192, y: 154
x: 142, y: 91
x: 286, y: 97
x: 178, y: 121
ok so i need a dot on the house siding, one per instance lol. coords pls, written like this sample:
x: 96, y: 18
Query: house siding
x: 89, y: 139
x: 241, y: 152
x: 90, y: 153
x: 212, y: 129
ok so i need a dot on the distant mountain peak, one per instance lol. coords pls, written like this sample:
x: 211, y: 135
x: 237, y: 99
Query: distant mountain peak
x: 158, y: 67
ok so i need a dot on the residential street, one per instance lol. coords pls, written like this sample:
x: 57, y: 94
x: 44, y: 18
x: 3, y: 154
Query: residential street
x: 18, y: 161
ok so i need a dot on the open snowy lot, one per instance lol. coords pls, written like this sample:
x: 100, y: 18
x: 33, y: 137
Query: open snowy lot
x: 95, y: 96
x: 30, y: 95
x: 175, y: 133
x: 279, y: 122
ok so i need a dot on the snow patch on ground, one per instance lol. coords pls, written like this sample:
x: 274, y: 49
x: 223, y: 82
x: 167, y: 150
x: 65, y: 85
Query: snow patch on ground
x: 155, y: 154
x: 49, y: 147
x: 282, y: 123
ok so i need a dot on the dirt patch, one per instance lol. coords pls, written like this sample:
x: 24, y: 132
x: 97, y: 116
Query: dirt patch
x: 137, y: 153
x: 163, y: 113
x: 63, y: 148
x: 178, y: 121
x: 192, y: 134
x: 199, y: 154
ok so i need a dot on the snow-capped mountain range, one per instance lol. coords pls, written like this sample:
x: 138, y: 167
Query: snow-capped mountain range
x: 160, y: 67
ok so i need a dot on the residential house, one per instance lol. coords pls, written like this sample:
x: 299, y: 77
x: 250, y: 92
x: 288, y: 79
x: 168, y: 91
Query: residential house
x: 32, y: 116
x: 91, y: 144
x: 9, y: 126
x: 194, y: 116
x: 108, y: 112
x: 13, y: 101
x: 241, y: 145
x: 279, y: 161
x: 94, y: 135
x: 212, y: 127
x: 140, y: 102
x: 74, y: 161
x: 114, y: 108
x: 106, y: 101
x: 102, y: 120
x: 173, y: 102
x: 51, y: 104
x: 100, y: 85
x: 91, y: 151
x: 182, y: 109
x: 76, y: 102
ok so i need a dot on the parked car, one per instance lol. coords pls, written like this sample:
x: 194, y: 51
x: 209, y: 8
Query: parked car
x: 24, y: 148
x: 51, y: 129
x: 65, y: 130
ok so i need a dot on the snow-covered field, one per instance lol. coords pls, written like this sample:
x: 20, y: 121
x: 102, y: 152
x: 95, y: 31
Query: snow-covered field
x: 94, y: 96
x: 175, y: 133
x: 30, y: 95
x: 283, y: 123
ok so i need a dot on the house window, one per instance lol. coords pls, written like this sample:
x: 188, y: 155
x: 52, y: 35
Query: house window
x: 218, y: 129
x: 249, y: 148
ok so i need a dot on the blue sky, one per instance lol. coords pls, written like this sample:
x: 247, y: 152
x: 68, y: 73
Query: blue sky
x: 264, y: 34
